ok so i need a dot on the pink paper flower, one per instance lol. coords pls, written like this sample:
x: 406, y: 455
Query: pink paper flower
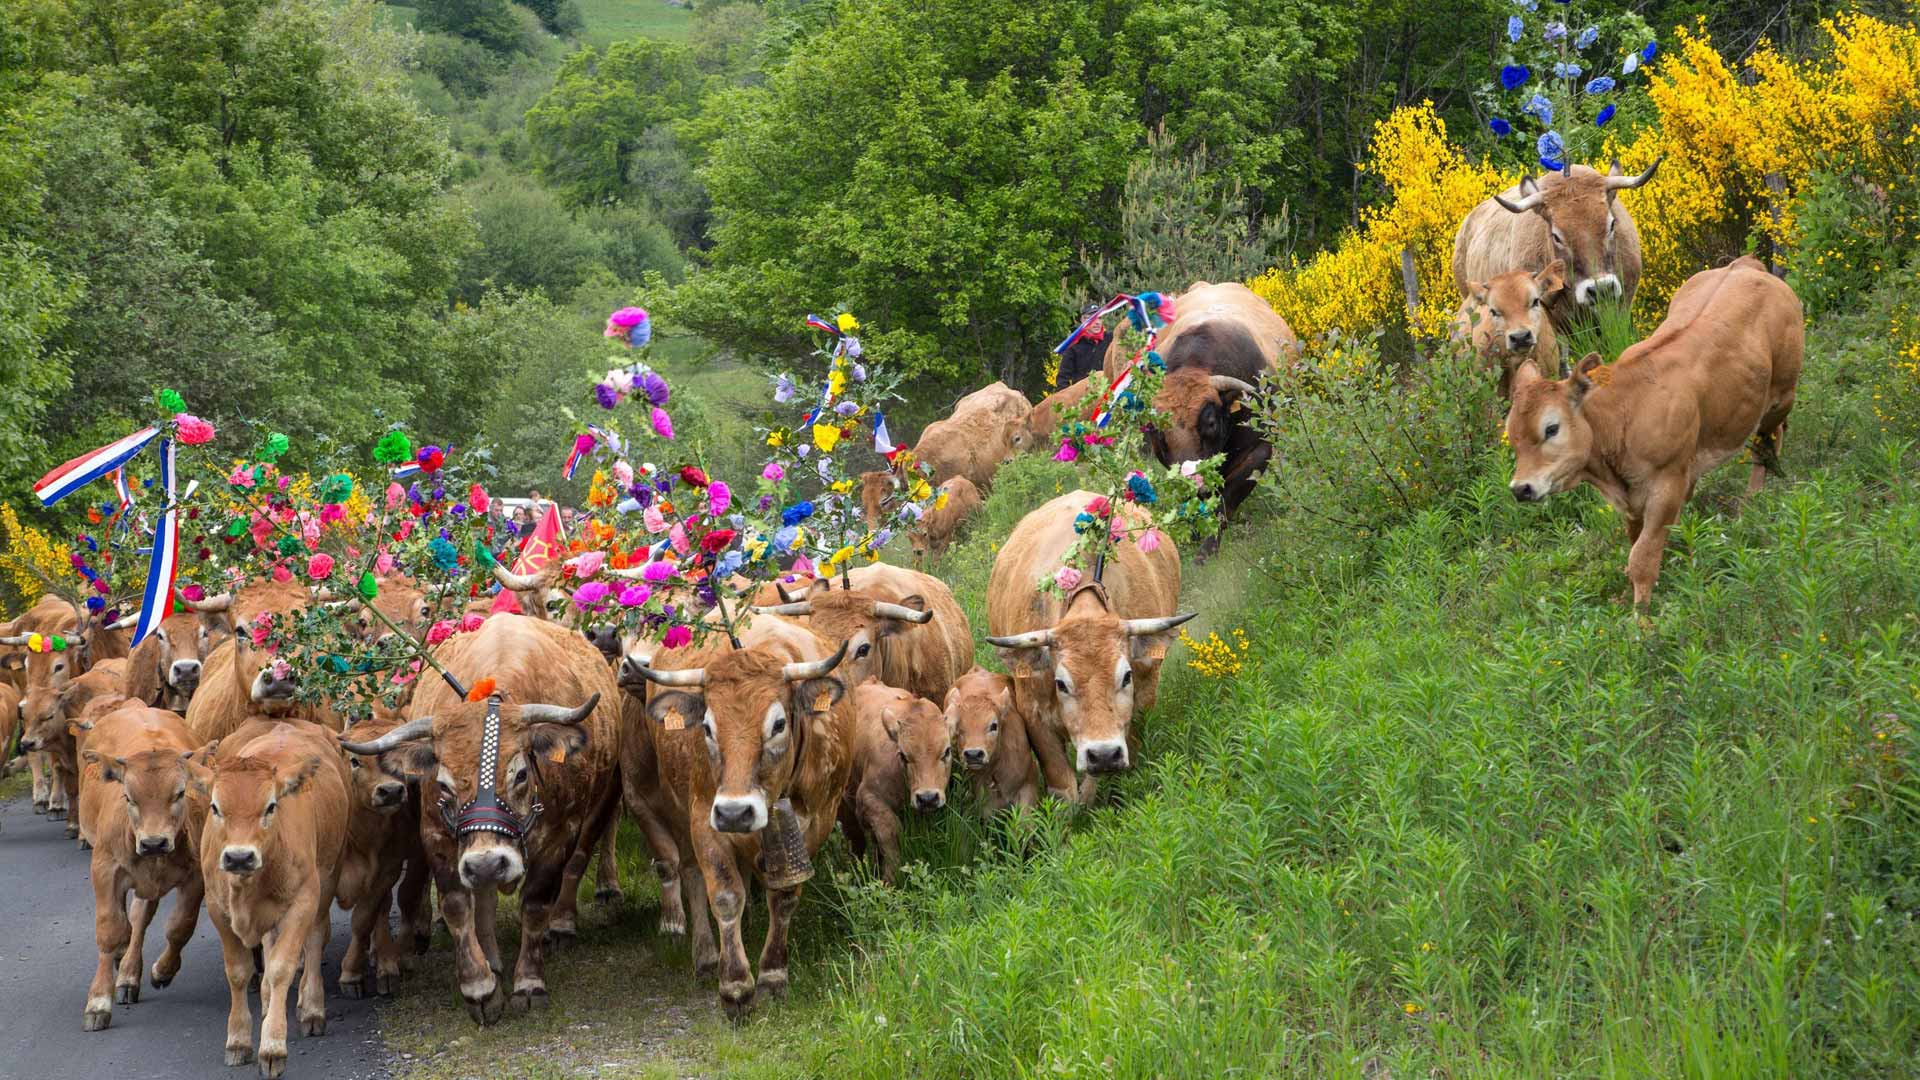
x: 588, y: 564
x: 1149, y: 540
x: 440, y: 632
x: 407, y: 674
x: 719, y: 497
x: 240, y: 477
x: 657, y: 571
x: 331, y: 513
x: 310, y: 532
x: 773, y: 472
x: 281, y: 574
x: 194, y: 593
x: 471, y: 622
x: 281, y: 670
x: 623, y: 475
x: 395, y: 493
x: 192, y: 430
x: 383, y: 564
x: 592, y: 596
x: 320, y: 567
x: 655, y: 521
x: 803, y: 567
x: 477, y: 498
x: 1116, y: 530
x: 677, y: 539
x: 1099, y: 507
x: 1066, y: 452
x: 406, y: 530
x: 635, y: 595
x: 677, y: 636
x: 662, y: 423
x: 1066, y: 578
x: 285, y: 482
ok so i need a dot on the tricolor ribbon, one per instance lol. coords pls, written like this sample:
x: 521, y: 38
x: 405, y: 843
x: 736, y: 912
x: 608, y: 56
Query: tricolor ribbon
x: 406, y: 470
x: 72, y: 475
x: 815, y: 322
x: 882, y: 440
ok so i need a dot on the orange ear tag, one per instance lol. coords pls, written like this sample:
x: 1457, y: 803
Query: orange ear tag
x: 558, y: 754
x: 673, y: 721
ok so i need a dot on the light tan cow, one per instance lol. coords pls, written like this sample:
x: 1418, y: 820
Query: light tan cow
x: 46, y: 728
x: 270, y: 858
x: 902, y: 754
x: 164, y: 669
x: 991, y: 737
x: 936, y: 530
x: 527, y: 815
x: 745, y: 733
x: 47, y: 671
x: 1719, y: 371
x: 1573, y: 217
x: 1084, y: 666
x: 1055, y: 409
x: 241, y: 678
x: 145, y: 831
x: 987, y: 429
x: 1506, y: 321
x: 900, y: 625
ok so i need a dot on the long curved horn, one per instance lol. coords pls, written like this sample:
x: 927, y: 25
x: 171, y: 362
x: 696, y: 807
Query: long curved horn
x: 694, y: 676
x: 802, y: 670
x: 1617, y: 182
x: 1529, y: 201
x: 1227, y: 384
x: 124, y: 621
x: 1032, y: 639
x: 14, y: 639
x: 516, y: 582
x: 902, y: 612
x: 797, y: 607
x: 210, y: 605
x: 1137, y: 627
x: 418, y: 728
x: 631, y: 573
x: 785, y: 596
x: 559, y: 714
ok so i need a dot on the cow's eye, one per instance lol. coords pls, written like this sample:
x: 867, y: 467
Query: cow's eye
x: 993, y: 727
x: 1551, y: 431
x: 181, y: 794
x: 58, y: 668
x: 1495, y: 312
x: 861, y: 652
x: 1559, y: 240
x: 903, y: 757
x: 446, y: 791
x: 1061, y: 685
x: 779, y: 725
x: 354, y: 764
x: 1534, y: 303
x: 520, y: 777
x: 214, y: 809
x: 268, y: 812
x: 1126, y: 678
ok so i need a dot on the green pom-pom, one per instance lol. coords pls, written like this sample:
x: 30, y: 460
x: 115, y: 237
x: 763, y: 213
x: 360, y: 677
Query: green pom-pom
x: 337, y: 488
x: 57, y: 643
x: 290, y: 545
x: 171, y: 401
x: 393, y: 449
x: 237, y: 528
x: 276, y: 446
x: 482, y: 557
x: 369, y: 588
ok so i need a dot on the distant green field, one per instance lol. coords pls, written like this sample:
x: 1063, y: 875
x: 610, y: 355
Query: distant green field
x: 617, y: 20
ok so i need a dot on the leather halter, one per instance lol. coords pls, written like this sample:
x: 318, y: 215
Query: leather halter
x: 485, y: 812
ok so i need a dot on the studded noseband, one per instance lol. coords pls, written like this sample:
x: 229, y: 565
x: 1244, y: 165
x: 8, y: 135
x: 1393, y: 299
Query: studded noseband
x: 485, y: 812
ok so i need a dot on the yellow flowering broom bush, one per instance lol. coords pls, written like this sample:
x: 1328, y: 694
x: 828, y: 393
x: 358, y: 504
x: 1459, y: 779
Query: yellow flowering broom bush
x: 29, y: 556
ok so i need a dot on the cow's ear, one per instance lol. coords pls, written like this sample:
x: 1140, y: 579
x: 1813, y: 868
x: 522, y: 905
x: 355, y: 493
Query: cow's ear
x: 1551, y: 279
x: 676, y: 710
x: 1150, y: 649
x: 1028, y: 662
x: 818, y: 695
x: 296, y: 778
x: 819, y: 585
x: 414, y: 760
x: 890, y: 723
x: 199, y: 773
x: 92, y: 757
x: 1477, y: 291
x: 1581, y: 380
x: 556, y: 742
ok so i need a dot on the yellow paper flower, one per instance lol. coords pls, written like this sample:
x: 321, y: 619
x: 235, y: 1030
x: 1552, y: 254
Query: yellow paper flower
x: 841, y: 556
x: 842, y: 487
x: 940, y: 500
x: 836, y: 381
x: 826, y: 437
x: 848, y: 324
x: 920, y: 490
x: 774, y: 438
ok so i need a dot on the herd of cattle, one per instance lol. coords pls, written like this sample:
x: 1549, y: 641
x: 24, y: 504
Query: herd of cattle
x: 191, y: 766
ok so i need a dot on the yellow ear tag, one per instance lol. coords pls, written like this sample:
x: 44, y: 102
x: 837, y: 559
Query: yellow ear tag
x: 558, y: 754
x: 1023, y: 670
x: 673, y: 721
x: 823, y: 701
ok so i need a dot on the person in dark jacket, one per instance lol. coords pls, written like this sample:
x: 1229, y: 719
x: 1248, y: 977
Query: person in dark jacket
x: 1083, y: 357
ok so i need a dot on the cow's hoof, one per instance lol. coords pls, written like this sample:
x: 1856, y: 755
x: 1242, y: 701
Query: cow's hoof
x: 73, y: 833
x: 673, y: 923
x: 736, y: 1000
x: 313, y: 1026
x: 96, y: 1020
x: 39, y: 806
x: 83, y: 845
x: 127, y: 994
x: 773, y: 984
x: 56, y: 813
x: 239, y: 1055
x: 525, y: 1001
x: 353, y: 988
x: 159, y: 981
x: 273, y: 1066
x: 559, y: 937
x: 386, y: 984
x: 488, y: 1011
x: 609, y: 894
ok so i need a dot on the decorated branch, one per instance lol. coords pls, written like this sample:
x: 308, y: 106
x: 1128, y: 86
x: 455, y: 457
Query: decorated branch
x: 1561, y: 81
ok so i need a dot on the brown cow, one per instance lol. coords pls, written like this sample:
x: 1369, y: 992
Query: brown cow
x: 1506, y: 321
x: 241, y: 678
x: 1055, y: 409
x: 270, y: 857
x: 47, y: 672
x: 145, y: 835
x: 992, y: 739
x: 1085, y: 665
x: 1719, y: 371
x: 164, y: 669
x: 935, y: 530
x: 46, y: 724
x: 902, y: 746
x: 1573, y: 217
x: 524, y: 806
x: 899, y: 625
x: 746, y: 733
x: 987, y: 429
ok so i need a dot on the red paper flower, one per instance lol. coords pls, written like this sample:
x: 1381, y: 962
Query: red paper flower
x: 692, y: 475
x: 1100, y: 507
x: 717, y: 541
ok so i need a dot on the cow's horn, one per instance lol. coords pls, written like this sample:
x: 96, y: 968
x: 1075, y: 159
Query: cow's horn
x: 901, y: 612
x: 1229, y: 384
x: 1032, y: 639
x: 693, y: 676
x: 1617, y: 182
x: 417, y: 728
x: 801, y: 670
x: 124, y: 621
x: 516, y: 582
x: 1524, y: 205
x: 1137, y: 627
x: 559, y: 714
x: 629, y: 572
x: 14, y: 639
x: 796, y: 607
x: 210, y: 605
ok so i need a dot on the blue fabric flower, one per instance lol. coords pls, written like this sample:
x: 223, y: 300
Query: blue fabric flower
x: 1539, y: 108
x: 797, y: 513
x: 783, y: 388
x: 1083, y: 521
x: 1606, y: 114
x: 1500, y: 127
x: 859, y: 372
x: 446, y: 558
x: 1567, y: 69
x: 1513, y: 76
x: 1530, y: 5
x: 1554, y: 31
x: 730, y: 563
x: 846, y: 408
x: 1141, y: 489
x: 1587, y: 37
x: 94, y: 603
x: 1155, y: 362
x: 1631, y: 65
x: 1648, y: 52
x: 1601, y: 85
x: 1516, y: 26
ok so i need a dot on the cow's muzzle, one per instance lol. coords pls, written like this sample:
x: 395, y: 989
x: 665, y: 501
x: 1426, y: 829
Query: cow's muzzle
x: 1519, y: 340
x: 928, y: 801
x: 389, y: 794
x: 240, y: 861
x: 156, y: 845
x: 1106, y: 756
x: 1526, y: 491
x: 739, y: 815
x: 973, y: 759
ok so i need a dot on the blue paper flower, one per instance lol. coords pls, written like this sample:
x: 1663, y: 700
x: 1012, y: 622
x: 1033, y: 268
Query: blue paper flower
x: 1513, y: 76
x: 1600, y: 85
x: 1083, y: 521
x: 846, y: 408
x: 859, y: 372
x: 786, y: 539
x: 1142, y: 489
x: 1631, y: 65
x: 730, y: 563
x: 1587, y: 37
x: 1551, y: 148
x: 1554, y: 31
x: 1530, y: 5
x: 1500, y: 127
x: 1516, y: 26
x: 1648, y: 52
x: 783, y: 389
x: 880, y: 539
x: 446, y: 558
x: 797, y: 513
x: 1552, y: 165
x: 1606, y: 114
x: 1539, y: 108
x: 1567, y: 69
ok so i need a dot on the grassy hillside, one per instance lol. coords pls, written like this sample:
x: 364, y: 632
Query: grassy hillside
x: 616, y: 20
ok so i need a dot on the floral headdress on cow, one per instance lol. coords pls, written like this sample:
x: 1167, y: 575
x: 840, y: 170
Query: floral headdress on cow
x: 1140, y: 501
x: 810, y: 480
x: 1557, y: 88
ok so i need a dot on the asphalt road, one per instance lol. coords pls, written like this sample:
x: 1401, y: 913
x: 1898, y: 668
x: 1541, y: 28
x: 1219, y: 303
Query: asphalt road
x: 47, y: 957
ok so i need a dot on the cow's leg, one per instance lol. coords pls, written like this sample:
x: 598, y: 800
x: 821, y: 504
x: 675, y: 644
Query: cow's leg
x: 416, y: 917
x: 69, y: 778
x: 537, y: 898
x: 1061, y: 782
x: 727, y: 896
x: 353, y: 965
x: 42, y: 780
x: 126, y: 979
x: 606, y: 878
x: 883, y: 825
x: 1769, y: 441
x: 486, y: 913
x: 851, y: 828
x: 289, y: 940
x: 773, y: 955
x: 1662, y: 510
x: 485, y: 999
x: 238, y: 961
x: 313, y: 988
x: 693, y: 886
x: 180, y: 925
x: 110, y: 933
x: 386, y: 950
x: 666, y: 864
x: 560, y: 925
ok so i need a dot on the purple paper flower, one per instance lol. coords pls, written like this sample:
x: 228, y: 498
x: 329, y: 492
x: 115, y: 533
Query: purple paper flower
x: 764, y: 503
x: 655, y: 387
x: 1516, y: 26
x: 859, y: 371
x: 606, y: 395
x: 846, y: 408
x: 783, y: 388
x: 1514, y: 76
x: 1554, y: 31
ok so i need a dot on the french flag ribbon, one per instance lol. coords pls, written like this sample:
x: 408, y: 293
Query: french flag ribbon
x: 882, y: 440
x: 120, y: 485
x: 71, y: 476
x: 573, y: 460
x: 1105, y: 412
x: 157, y: 604
x: 580, y: 451
x: 405, y: 470
x: 1123, y: 300
x: 815, y: 322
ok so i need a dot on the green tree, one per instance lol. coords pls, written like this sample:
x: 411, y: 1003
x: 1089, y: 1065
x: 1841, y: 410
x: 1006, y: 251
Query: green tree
x: 601, y: 106
x: 495, y: 24
x: 527, y: 240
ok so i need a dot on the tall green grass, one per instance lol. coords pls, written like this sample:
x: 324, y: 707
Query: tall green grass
x: 608, y: 21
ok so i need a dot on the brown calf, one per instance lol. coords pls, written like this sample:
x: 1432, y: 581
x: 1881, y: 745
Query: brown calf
x: 1506, y: 320
x: 1719, y: 371
x: 902, y: 752
x: 936, y: 529
x: 991, y: 737
x: 165, y: 668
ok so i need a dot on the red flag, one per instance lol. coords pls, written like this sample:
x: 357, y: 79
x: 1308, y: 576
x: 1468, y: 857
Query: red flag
x: 538, y: 550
